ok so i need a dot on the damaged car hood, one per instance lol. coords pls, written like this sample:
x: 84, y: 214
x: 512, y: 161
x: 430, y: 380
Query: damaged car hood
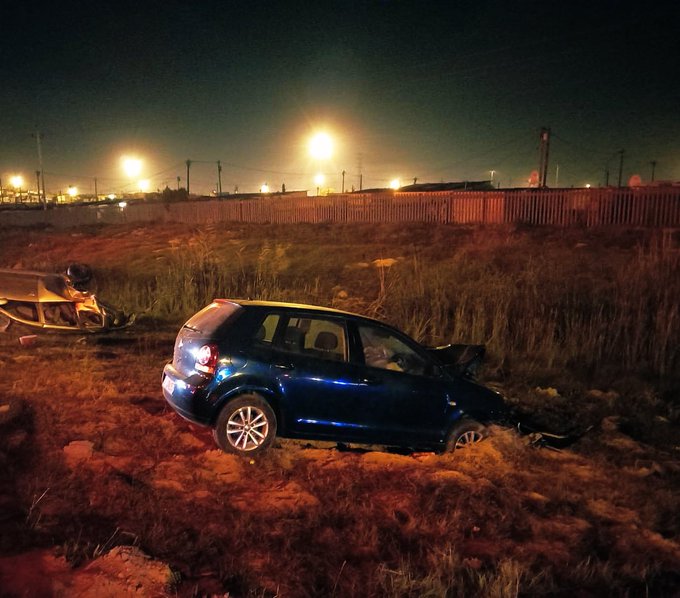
x: 461, y: 360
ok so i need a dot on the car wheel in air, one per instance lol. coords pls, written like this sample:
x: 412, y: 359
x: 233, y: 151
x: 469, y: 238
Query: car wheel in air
x: 245, y: 426
x: 465, y: 433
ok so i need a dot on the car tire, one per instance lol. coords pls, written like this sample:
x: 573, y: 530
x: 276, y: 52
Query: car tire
x: 464, y: 434
x: 246, y: 425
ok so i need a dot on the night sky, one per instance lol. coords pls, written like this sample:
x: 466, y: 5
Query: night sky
x: 441, y: 91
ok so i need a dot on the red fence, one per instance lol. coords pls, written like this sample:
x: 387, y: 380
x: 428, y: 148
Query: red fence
x: 639, y: 207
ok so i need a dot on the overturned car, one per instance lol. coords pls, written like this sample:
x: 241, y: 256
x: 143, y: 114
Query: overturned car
x: 46, y: 301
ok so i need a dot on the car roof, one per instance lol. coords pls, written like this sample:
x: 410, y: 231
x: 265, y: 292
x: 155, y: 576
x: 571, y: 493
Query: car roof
x: 26, y: 285
x: 297, y: 306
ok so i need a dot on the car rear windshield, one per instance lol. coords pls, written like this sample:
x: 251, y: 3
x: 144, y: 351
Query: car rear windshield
x: 212, y: 316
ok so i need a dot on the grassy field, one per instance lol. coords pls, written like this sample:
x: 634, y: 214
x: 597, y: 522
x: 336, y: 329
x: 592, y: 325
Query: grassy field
x: 583, y: 333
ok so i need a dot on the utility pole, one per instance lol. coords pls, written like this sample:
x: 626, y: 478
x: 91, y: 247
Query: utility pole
x: 38, y: 137
x: 543, y: 156
x: 178, y: 180
x: 96, y: 193
x: 606, y: 175
x: 653, y: 163
x: 557, y: 174
x: 37, y: 178
x: 188, y: 163
x: 361, y: 176
x: 621, y: 152
x: 343, y: 181
x: 219, y: 179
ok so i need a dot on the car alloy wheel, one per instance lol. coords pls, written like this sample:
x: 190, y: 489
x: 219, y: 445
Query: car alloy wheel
x: 468, y: 438
x: 464, y: 434
x: 247, y: 428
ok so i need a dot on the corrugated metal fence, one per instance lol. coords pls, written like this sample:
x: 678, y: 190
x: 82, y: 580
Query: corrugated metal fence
x: 642, y: 206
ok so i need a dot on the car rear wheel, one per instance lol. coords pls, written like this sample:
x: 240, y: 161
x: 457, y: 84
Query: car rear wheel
x: 464, y: 434
x: 245, y: 426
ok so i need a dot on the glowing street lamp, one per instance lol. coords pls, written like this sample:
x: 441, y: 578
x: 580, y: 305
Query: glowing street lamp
x: 395, y: 184
x: 17, y: 181
x: 321, y: 146
x: 264, y: 188
x: 132, y: 167
x: 72, y: 191
x: 319, y: 180
x: 144, y: 185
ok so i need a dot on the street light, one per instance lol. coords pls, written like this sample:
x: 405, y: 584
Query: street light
x: 321, y: 146
x: 17, y: 181
x: 395, y: 184
x: 264, y: 188
x: 144, y: 185
x: 319, y: 180
x: 72, y: 191
x: 132, y: 167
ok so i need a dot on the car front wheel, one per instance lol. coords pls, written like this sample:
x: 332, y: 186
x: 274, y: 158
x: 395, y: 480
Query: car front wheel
x: 464, y: 434
x: 245, y: 426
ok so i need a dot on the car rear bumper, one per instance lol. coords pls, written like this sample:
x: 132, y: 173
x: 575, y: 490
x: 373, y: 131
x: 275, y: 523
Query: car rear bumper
x: 186, y: 395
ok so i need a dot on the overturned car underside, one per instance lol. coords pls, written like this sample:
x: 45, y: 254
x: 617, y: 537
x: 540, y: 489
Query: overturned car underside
x: 51, y: 302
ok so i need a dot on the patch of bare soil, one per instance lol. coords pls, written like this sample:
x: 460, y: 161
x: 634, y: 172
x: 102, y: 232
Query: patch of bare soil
x: 123, y: 571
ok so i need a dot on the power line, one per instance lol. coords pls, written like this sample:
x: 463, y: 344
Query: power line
x: 451, y: 165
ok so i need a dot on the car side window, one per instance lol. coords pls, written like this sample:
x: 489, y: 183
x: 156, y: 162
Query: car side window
x: 89, y: 318
x: 384, y: 350
x: 23, y: 310
x: 265, y: 333
x: 316, y: 337
x: 60, y: 314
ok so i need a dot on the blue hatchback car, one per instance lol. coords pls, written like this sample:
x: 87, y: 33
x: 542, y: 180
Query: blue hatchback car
x: 252, y: 370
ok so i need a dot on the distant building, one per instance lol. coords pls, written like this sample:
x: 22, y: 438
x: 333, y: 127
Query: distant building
x: 430, y: 187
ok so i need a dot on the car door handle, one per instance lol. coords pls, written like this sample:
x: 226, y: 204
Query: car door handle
x: 284, y: 366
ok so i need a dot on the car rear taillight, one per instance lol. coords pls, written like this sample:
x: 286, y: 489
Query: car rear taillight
x: 206, y: 359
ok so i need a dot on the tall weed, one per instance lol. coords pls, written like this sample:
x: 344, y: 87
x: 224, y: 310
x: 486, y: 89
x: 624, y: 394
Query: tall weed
x: 546, y: 309
x: 540, y: 313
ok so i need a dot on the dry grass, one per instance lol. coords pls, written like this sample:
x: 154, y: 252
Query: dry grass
x: 506, y: 519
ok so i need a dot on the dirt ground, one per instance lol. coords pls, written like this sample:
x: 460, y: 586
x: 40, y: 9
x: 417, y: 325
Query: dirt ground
x: 104, y: 491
